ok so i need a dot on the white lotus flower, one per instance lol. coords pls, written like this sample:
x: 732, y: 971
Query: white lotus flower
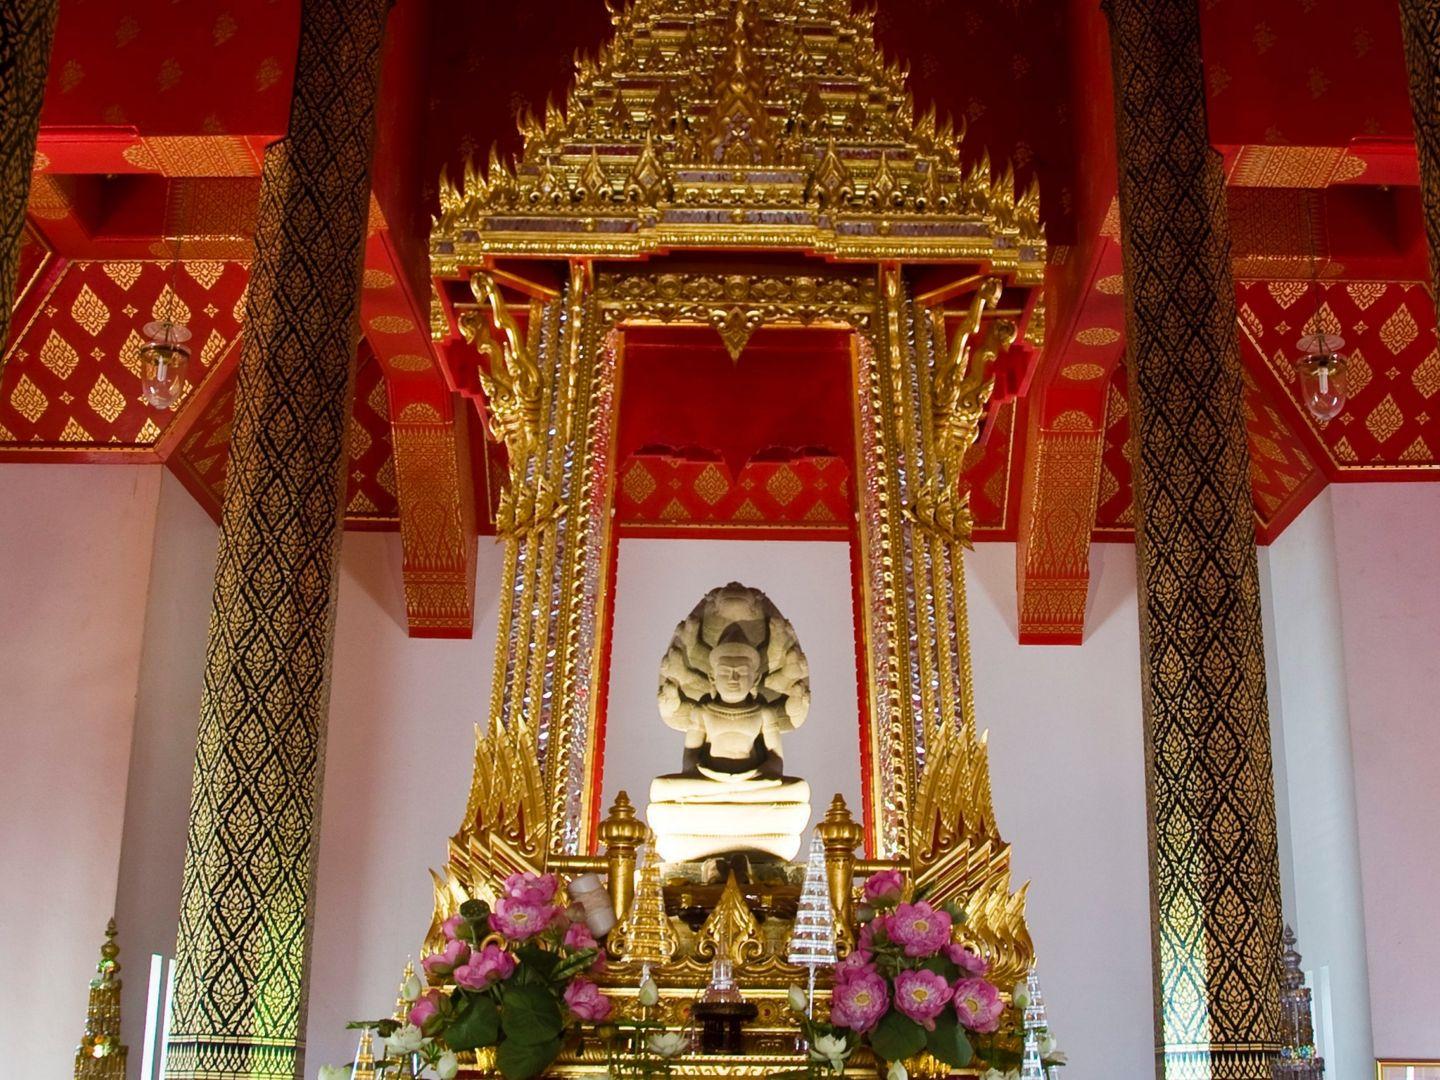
x: 992, y: 1074
x: 447, y: 1066
x: 405, y: 1040
x: 1048, y: 1045
x: 333, y: 1072
x: 1020, y: 995
x: 796, y: 997
x: 668, y: 1044
x: 897, y: 1071
x: 649, y: 993
x: 831, y: 1048
x: 411, y: 988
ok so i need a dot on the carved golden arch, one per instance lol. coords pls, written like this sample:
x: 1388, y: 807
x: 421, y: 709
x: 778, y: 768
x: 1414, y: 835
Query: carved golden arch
x: 746, y: 130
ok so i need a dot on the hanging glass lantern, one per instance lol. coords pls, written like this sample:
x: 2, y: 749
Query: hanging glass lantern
x: 1323, y: 384
x: 163, y: 360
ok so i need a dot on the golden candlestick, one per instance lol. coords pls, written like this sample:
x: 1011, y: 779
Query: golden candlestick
x: 841, y: 834
x: 621, y: 832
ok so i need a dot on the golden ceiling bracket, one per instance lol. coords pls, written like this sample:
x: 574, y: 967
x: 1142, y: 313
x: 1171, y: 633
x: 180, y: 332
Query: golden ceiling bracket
x: 514, y: 390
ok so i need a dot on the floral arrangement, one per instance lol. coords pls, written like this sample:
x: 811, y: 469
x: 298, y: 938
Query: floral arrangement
x: 907, y: 988
x: 512, y: 978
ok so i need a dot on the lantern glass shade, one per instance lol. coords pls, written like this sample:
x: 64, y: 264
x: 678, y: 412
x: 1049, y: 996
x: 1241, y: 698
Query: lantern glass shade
x: 1323, y: 384
x: 163, y: 361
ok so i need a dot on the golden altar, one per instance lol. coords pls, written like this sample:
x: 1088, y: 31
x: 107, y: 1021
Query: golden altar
x: 738, y: 165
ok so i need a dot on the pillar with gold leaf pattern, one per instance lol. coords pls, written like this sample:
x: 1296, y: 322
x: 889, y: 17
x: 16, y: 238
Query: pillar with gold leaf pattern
x: 242, y: 954
x: 1214, y: 871
x: 29, y: 28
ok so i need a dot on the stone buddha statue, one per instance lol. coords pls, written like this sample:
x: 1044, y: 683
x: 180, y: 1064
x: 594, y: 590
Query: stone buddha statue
x: 733, y: 681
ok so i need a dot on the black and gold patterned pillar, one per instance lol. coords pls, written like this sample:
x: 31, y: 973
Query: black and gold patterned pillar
x: 1215, y: 883
x: 244, y: 941
x: 1420, y: 21
x: 27, y: 28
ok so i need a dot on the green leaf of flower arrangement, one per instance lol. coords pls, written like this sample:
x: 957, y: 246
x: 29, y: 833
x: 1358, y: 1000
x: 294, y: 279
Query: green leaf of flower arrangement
x: 897, y: 1037
x: 530, y: 1014
x: 573, y: 965
x: 478, y: 1024
x: 519, y: 1060
x: 948, y: 1042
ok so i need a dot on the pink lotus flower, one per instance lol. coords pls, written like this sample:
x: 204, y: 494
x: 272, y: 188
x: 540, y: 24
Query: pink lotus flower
x: 884, y: 888
x: 584, y: 999
x: 536, y: 890
x: 854, y: 963
x: 978, y: 1004
x: 518, y: 920
x: 921, y: 995
x: 438, y: 965
x: 452, y: 927
x: 579, y: 937
x: 920, y: 929
x: 490, y: 965
x: 859, y: 1000
x: 866, y: 941
x: 967, y: 960
x: 425, y: 1009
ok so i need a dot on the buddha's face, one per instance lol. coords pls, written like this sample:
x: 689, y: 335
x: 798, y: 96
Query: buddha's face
x: 734, y: 675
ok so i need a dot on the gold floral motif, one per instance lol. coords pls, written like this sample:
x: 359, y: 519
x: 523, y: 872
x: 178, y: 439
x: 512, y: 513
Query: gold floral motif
x: 783, y: 485
x: 89, y: 311
x: 106, y: 400
x: 1399, y: 330
x: 409, y: 362
x: 711, y: 485
x: 1097, y: 335
x: 73, y: 431
x: 638, y: 483
x: 1426, y: 375
x: 168, y: 307
x: 205, y: 272
x: 28, y: 399
x: 1082, y: 372
x: 391, y: 324
x: 1385, y: 419
x: 123, y: 274
x: 59, y: 356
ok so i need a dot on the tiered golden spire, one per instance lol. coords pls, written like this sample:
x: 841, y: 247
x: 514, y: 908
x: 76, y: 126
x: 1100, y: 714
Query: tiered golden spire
x: 645, y: 935
x: 773, y: 124
x: 101, y: 1054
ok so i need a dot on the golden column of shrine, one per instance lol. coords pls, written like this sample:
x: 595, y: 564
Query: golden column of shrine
x: 1215, y: 883
x: 27, y: 28
x: 244, y: 939
x: 1420, y: 21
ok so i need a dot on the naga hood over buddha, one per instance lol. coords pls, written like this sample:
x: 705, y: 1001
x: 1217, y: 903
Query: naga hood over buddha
x: 733, y: 681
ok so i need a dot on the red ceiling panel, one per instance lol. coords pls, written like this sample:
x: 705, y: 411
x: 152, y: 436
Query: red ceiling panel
x: 166, y: 68
x: 1391, y: 426
x: 72, y: 371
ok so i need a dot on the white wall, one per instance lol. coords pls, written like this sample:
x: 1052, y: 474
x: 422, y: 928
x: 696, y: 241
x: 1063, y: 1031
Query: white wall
x: 398, y: 763
x: 1315, y: 785
x: 1387, y: 542
x: 658, y: 582
x: 1067, y: 763
x: 162, y: 754
x: 74, y: 567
